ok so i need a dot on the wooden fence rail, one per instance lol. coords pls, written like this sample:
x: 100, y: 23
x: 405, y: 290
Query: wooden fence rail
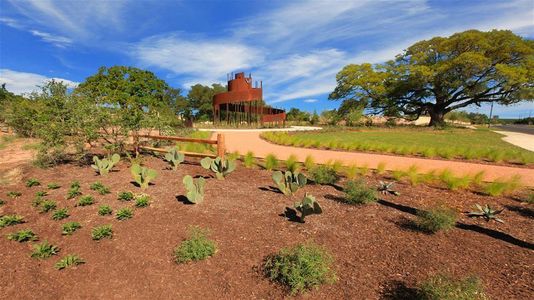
x: 221, y: 150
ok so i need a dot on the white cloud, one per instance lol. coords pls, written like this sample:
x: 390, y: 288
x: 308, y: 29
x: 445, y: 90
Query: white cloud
x: 310, y: 100
x: 202, y: 60
x: 23, y: 82
x: 59, y: 41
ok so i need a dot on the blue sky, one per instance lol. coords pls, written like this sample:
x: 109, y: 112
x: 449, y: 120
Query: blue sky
x: 295, y: 47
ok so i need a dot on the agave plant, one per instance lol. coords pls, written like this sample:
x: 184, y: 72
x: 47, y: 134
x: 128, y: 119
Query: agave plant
x: 308, y: 206
x: 289, y: 182
x: 386, y: 188
x: 220, y: 166
x: 143, y: 175
x: 104, y: 165
x: 174, y: 157
x: 487, y: 213
x: 195, y: 189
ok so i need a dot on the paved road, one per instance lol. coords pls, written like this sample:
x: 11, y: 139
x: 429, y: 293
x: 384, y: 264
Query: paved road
x: 528, y: 129
x: 251, y: 141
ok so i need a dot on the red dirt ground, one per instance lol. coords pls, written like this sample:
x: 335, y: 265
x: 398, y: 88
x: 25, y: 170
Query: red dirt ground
x: 374, y: 247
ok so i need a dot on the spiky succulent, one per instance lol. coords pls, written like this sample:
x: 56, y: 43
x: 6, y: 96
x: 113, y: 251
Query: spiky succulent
x: 308, y: 206
x: 195, y: 188
x: 104, y: 165
x: 143, y: 175
x: 221, y: 167
x: 386, y: 188
x: 174, y: 157
x: 487, y: 213
x: 289, y: 182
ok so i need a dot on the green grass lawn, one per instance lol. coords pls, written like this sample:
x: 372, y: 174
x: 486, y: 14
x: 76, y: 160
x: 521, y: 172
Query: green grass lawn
x: 450, y: 143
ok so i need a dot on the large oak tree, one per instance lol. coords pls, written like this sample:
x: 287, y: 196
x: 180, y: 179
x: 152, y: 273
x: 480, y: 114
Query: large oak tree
x: 439, y: 75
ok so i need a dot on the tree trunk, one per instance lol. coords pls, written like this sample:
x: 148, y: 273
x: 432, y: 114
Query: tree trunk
x: 437, y: 117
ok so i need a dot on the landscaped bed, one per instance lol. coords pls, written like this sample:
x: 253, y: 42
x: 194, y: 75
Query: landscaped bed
x: 377, y: 250
x: 452, y: 143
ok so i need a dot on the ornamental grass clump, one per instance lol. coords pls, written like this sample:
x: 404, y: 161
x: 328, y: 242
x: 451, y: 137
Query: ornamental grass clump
x: 270, y: 162
x: 500, y: 186
x: 300, y: 268
x: 309, y: 162
x: 10, y: 220
x: 124, y: 214
x: 104, y: 210
x: 125, y: 196
x: 249, y: 161
x: 60, y: 214
x: 197, y: 247
x: 436, y: 219
x: 142, y: 200
x: 292, y: 163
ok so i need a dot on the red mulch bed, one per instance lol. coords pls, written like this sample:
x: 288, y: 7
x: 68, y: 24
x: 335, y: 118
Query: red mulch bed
x: 377, y: 253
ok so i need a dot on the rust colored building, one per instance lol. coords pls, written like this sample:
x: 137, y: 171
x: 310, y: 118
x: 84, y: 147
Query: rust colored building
x: 243, y: 104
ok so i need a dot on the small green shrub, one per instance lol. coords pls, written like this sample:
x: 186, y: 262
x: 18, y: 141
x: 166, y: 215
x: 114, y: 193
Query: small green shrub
x: 125, y: 196
x: 324, y: 174
x: 530, y: 198
x: 74, y: 190
x: 100, y: 188
x: 124, y: 214
x: 10, y: 220
x: 442, y: 287
x: 70, y: 227
x: 197, y: 247
x: 60, y: 214
x: 292, y: 163
x: 500, y: 187
x: 249, y: 160
x: 100, y: 232
x: 44, y: 250
x: 69, y: 260
x: 53, y: 186
x: 14, y: 195
x: 47, y: 205
x: 357, y: 192
x: 36, y: 202
x: 300, y: 268
x: 142, y: 200
x: 32, y: 182
x: 41, y: 194
x: 22, y: 236
x: 436, y: 219
x: 85, y: 200
x: 104, y: 210
x: 309, y: 162
x: 271, y: 162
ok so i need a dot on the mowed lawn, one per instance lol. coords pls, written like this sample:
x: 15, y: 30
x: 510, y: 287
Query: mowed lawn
x: 453, y: 143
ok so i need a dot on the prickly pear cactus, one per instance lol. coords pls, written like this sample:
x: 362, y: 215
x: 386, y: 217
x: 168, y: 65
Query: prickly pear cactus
x: 143, y: 175
x: 221, y: 167
x: 103, y: 166
x: 288, y: 182
x: 174, y: 157
x: 308, y: 206
x: 195, y: 189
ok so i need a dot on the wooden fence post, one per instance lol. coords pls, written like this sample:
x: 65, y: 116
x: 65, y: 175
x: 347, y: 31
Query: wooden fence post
x: 220, y: 145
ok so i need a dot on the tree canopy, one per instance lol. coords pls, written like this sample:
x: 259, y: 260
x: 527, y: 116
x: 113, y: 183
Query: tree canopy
x: 200, y: 99
x: 440, y: 75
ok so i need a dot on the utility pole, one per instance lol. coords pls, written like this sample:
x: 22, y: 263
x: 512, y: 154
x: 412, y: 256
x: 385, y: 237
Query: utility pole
x: 491, y: 113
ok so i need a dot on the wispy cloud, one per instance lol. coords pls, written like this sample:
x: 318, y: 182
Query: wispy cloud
x: 23, y: 82
x: 310, y: 100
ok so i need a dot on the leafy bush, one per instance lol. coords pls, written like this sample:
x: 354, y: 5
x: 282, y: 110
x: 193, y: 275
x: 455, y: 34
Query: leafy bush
x: 292, y: 163
x: 501, y: 186
x: 14, y: 195
x: 100, y: 232
x: 47, y: 205
x: 142, y: 200
x: 104, y: 210
x: 53, y: 186
x: 85, y: 200
x: 357, y: 192
x: 124, y: 214
x: 70, y: 227
x: 249, y: 160
x: 324, y: 174
x: 174, y: 157
x: 60, y: 214
x: 74, y: 190
x: 10, y: 220
x: 32, y: 182
x: 442, y: 287
x: 436, y: 219
x: 143, y: 175
x: 221, y: 167
x: 271, y: 162
x: 125, y: 196
x: 44, y: 250
x: 197, y: 247
x: 300, y: 268
x: 195, y: 188
x: 103, y: 166
x: 69, y: 260
x: 22, y: 236
x: 100, y: 188
x: 308, y: 206
x: 288, y: 183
